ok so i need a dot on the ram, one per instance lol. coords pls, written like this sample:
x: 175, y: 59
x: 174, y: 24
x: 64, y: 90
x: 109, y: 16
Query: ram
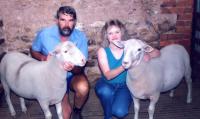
x: 41, y: 80
x: 146, y: 80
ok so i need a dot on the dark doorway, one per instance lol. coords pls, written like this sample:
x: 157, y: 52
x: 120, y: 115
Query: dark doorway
x: 196, y: 40
x: 196, y: 27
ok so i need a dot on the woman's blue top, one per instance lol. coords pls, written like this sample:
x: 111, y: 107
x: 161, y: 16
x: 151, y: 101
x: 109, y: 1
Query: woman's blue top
x: 113, y: 64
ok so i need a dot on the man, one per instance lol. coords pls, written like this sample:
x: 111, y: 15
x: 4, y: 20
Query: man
x: 45, y: 42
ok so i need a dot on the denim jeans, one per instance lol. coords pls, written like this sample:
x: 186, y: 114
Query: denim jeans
x: 115, y: 98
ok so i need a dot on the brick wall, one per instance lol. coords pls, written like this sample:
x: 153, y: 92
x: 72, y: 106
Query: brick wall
x: 183, y: 29
x: 156, y: 21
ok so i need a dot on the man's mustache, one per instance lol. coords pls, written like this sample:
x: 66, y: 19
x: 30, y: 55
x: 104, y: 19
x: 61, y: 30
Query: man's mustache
x: 66, y: 31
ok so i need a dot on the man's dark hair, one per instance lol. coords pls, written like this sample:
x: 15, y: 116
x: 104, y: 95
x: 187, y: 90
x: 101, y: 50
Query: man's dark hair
x: 68, y: 10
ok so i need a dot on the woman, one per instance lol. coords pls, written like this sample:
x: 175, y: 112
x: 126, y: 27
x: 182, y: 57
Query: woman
x: 111, y: 88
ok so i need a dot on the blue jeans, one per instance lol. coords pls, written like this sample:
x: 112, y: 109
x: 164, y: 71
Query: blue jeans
x: 115, y: 98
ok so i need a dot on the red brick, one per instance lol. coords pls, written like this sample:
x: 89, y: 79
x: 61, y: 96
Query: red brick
x: 168, y: 3
x: 187, y: 36
x: 176, y: 10
x: 180, y: 29
x: 179, y: 10
x: 186, y: 42
x: 182, y: 3
x: 188, y: 10
x: 185, y: 16
x: 192, y: 2
x: 183, y: 23
x: 164, y: 37
x: 166, y: 11
x: 175, y: 36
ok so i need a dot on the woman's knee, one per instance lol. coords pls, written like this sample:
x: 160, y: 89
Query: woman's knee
x: 104, y: 91
x: 119, y: 112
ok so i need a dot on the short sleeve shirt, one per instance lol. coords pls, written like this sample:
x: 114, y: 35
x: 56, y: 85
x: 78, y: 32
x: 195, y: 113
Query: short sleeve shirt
x: 48, y: 38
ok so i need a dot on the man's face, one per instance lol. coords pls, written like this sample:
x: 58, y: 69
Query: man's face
x: 66, y: 24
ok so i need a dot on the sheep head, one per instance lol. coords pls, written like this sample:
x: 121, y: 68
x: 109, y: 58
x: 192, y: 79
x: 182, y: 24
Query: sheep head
x: 134, y: 50
x: 68, y: 52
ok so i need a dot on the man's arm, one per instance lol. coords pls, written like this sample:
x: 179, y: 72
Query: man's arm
x: 38, y: 55
x: 153, y: 54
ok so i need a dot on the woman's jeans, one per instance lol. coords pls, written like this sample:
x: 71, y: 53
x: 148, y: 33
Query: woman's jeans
x: 115, y: 98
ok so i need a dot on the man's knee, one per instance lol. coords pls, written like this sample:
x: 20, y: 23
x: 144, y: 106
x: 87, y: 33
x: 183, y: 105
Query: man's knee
x: 81, y: 84
x: 66, y: 108
x: 83, y: 88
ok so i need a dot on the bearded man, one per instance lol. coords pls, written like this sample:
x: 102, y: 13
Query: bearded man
x: 46, y: 41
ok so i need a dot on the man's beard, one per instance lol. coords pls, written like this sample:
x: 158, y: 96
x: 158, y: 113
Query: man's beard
x: 66, y: 31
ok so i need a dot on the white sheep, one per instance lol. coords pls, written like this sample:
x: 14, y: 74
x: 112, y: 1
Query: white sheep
x: 41, y: 80
x: 146, y: 80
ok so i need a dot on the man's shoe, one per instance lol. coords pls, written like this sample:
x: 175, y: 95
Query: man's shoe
x: 76, y: 114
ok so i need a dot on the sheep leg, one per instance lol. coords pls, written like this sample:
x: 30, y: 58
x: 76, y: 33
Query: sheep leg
x: 22, y: 104
x: 45, y: 108
x: 10, y: 105
x: 7, y: 96
x: 153, y: 101
x: 136, y: 107
x: 59, y: 110
x: 189, y: 86
x: 171, y: 94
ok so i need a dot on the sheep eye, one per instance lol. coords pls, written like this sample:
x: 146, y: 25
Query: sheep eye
x: 65, y: 51
x: 139, y: 49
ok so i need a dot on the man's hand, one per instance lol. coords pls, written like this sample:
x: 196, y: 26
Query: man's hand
x: 78, y: 70
x: 148, y: 56
x: 68, y: 66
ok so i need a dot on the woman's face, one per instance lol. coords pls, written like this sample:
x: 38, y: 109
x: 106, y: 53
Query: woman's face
x: 114, y: 33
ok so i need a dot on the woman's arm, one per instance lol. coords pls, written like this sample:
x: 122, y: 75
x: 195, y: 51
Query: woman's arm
x: 104, y: 67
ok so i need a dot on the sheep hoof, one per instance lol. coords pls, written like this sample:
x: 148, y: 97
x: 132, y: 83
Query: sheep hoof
x: 189, y: 100
x: 171, y: 94
x: 13, y: 114
x: 24, y: 110
x: 14, y: 117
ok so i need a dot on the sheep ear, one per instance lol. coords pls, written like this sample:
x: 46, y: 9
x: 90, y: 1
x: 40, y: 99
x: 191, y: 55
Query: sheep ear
x: 119, y: 44
x: 55, y: 52
x: 147, y: 48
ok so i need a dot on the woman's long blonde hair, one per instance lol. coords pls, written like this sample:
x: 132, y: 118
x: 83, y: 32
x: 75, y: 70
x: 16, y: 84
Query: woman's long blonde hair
x: 112, y: 22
